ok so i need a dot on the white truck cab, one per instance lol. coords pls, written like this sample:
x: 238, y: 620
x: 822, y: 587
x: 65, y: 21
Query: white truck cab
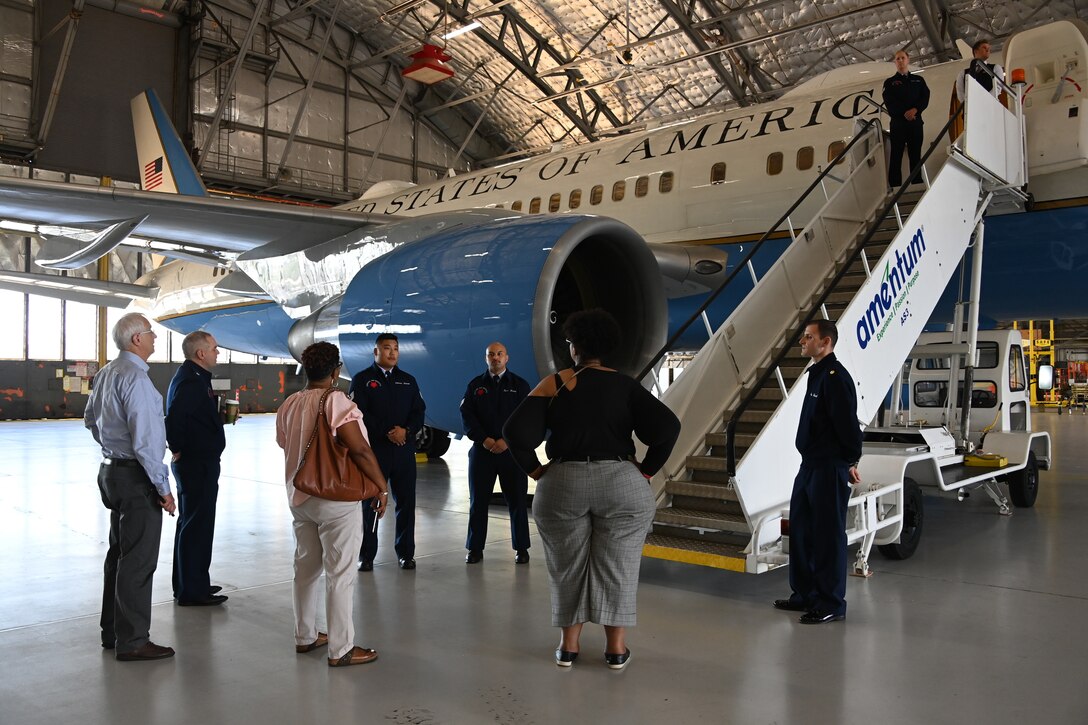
x: 924, y: 446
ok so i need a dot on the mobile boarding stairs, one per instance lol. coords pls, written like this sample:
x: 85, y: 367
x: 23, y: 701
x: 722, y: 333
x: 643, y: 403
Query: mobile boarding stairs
x: 877, y: 263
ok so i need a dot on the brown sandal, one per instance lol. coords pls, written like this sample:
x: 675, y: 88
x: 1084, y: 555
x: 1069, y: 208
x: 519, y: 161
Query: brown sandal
x: 321, y: 641
x: 355, y: 656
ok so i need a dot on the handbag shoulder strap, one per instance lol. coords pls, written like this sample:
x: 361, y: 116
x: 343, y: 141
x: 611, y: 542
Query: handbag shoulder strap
x: 313, y: 436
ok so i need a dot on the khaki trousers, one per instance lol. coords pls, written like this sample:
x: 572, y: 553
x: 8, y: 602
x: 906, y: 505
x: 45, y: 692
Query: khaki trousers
x: 327, y: 538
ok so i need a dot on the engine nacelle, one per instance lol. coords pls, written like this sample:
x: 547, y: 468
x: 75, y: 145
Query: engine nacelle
x: 514, y: 280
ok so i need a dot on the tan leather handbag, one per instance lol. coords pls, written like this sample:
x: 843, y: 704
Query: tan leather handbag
x: 326, y: 469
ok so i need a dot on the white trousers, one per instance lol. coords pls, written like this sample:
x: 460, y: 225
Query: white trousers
x: 327, y: 537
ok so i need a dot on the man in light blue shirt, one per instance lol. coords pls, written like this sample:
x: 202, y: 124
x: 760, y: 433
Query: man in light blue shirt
x: 125, y: 416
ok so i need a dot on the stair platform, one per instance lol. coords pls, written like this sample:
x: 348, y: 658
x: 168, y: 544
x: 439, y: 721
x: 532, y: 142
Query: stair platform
x: 690, y: 551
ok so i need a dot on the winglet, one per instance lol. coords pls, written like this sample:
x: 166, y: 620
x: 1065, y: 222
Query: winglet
x: 164, y: 164
x: 67, y: 253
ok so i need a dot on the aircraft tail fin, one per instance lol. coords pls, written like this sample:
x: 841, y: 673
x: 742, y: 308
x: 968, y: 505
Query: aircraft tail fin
x: 165, y: 166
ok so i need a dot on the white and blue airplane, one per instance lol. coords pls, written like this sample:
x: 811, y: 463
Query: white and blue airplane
x: 641, y: 224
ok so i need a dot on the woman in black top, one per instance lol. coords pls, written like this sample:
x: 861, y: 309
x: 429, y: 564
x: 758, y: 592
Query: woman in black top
x: 593, y: 506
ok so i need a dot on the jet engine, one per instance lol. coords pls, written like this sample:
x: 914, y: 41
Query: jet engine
x: 515, y: 280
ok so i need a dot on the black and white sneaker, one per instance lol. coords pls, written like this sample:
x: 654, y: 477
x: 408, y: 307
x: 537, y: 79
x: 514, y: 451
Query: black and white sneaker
x: 617, y: 662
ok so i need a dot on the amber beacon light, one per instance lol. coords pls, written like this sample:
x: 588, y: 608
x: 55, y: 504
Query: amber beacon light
x: 429, y: 65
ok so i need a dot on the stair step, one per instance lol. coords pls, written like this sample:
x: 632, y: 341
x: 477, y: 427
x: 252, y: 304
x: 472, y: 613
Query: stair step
x: 698, y: 489
x: 840, y: 297
x: 691, y: 551
x: 754, y: 417
x: 706, y: 463
x: 720, y: 440
x: 700, y: 519
x: 712, y: 478
x: 707, y: 504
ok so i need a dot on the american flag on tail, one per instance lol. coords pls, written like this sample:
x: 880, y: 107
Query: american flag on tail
x: 153, y: 174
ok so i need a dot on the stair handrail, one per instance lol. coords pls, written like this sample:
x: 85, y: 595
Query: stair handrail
x: 743, y: 264
x: 776, y: 361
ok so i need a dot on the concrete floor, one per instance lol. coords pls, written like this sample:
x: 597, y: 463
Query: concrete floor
x: 985, y: 624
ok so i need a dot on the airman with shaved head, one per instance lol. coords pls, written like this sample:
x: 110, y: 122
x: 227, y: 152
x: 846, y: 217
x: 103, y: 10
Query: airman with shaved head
x: 489, y: 400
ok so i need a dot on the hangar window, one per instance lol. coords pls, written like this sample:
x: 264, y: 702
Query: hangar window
x: 834, y: 149
x: 717, y: 173
x: 13, y: 346
x: 575, y: 200
x: 642, y: 186
x: 596, y: 194
x: 45, y: 335
x: 81, y: 331
x: 553, y: 202
x: 516, y: 206
x: 534, y: 205
x: 774, y: 163
x: 665, y: 184
x: 805, y: 157
x: 618, y: 190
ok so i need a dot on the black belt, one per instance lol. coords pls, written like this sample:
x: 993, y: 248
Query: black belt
x: 120, y: 462
x: 588, y: 459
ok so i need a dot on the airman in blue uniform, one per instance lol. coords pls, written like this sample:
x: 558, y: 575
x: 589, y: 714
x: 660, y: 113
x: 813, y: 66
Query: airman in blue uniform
x: 829, y: 441
x: 489, y: 400
x: 393, y: 414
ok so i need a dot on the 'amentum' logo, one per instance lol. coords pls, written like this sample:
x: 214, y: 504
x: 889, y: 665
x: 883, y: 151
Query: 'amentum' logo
x: 897, y: 281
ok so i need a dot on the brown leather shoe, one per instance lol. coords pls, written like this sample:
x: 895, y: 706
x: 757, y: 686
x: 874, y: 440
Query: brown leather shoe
x: 321, y: 641
x: 148, y: 651
x: 355, y: 656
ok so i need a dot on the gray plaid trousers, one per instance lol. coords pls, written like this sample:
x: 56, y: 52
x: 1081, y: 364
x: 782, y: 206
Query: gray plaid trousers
x: 593, y: 519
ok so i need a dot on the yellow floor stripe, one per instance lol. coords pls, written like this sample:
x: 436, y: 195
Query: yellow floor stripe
x: 693, y: 557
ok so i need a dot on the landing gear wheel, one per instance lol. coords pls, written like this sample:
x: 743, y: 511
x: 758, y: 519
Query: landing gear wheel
x: 913, y: 517
x: 1024, y: 484
x: 432, y: 441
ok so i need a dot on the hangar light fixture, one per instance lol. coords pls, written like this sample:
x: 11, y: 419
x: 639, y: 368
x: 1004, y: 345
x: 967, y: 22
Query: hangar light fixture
x: 428, y: 65
x: 462, y: 30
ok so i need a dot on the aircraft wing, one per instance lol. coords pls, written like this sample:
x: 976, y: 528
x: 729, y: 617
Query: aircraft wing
x: 77, y: 289
x: 204, y: 222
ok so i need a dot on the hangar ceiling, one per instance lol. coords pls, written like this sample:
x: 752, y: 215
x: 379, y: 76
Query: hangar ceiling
x: 534, y: 73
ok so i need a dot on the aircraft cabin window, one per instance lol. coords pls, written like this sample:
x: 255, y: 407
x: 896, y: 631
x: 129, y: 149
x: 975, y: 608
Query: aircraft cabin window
x: 805, y: 158
x: 500, y: 206
x: 618, y: 190
x: 534, y: 206
x: 834, y: 149
x: 553, y: 202
x: 717, y: 173
x: 596, y: 194
x: 774, y: 163
x: 516, y: 206
x: 575, y: 199
x: 664, y: 186
x: 642, y: 186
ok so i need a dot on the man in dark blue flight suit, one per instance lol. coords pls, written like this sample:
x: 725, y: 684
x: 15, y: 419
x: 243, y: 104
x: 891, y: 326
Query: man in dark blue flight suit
x: 489, y: 400
x: 194, y: 433
x: 829, y: 440
x: 393, y: 413
x: 905, y: 95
